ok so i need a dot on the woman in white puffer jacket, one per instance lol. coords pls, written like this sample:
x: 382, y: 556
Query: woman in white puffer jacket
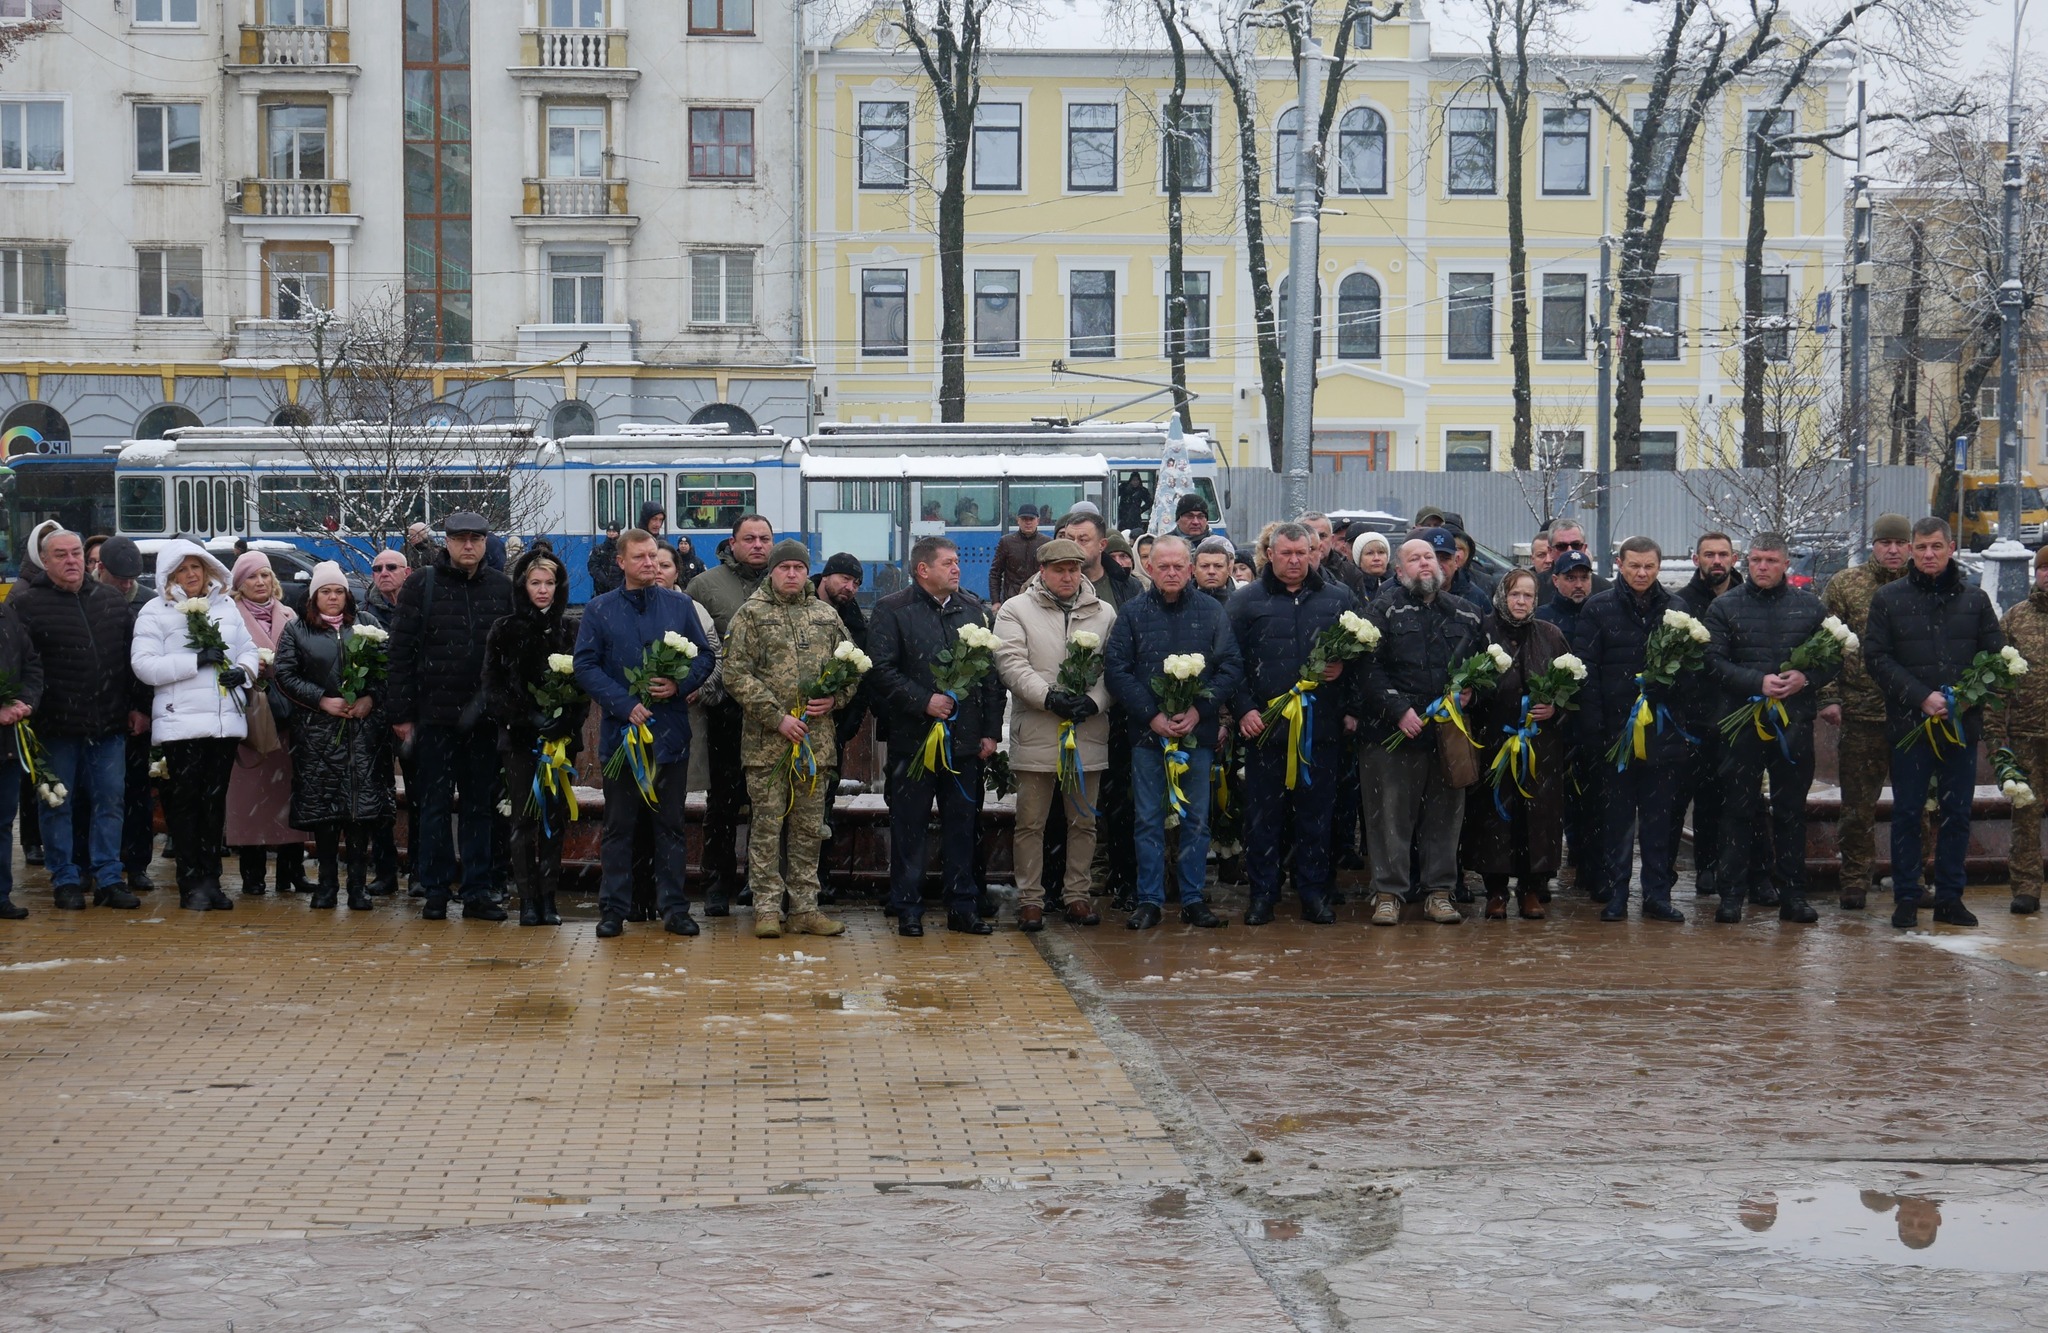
x: 197, y: 715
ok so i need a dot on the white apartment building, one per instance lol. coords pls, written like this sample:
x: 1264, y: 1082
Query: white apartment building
x: 184, y: 182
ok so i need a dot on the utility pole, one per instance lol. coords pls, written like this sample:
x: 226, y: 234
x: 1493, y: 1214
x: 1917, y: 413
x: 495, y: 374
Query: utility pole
x: 1859, y: 342
x: 1603, y: 336
x: 1303, y: 244
x: 2012, y: 307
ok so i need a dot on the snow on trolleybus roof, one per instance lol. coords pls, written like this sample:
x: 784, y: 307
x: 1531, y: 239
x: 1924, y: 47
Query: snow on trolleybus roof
x: 216, y: 446
x: 841, y: 467
x: 1118, y: 441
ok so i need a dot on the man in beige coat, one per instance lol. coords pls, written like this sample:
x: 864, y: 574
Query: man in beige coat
x: 1036, y: 628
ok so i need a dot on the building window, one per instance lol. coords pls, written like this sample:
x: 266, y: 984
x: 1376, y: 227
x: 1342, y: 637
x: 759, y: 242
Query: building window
x: 32, y: 280
x: 1564, y: 317
x: 1561, y: 449
x: 722, y: 287
x: 1197, y: 140
x: 1091, y: 312
x: 160, y: 420
x: 1776, y: 334
x: 721, y: 143
x: 1091, y: 146
x: 1659, y: 452
x: 1567, y: 150
x: 167, y: 138
x: 439, y: 287
x: 575, y: 142
x: 1358, y: 318
x: 1468, y: 451
x: 32, y: 136
x: 169, y: 283
x: 884, y: 145
x: 1472, y: 149
x: 52, y: 10
x: 1469, y: 318
x: 167, y: 13
x: 1661, y: 152
x: 1660, y: 331
x: 999, y: 146
x: 299, y: 283
x: 572, y: 416
x: 1287, y: 164
x: 1361, y: 33
x: 1191, y: 332
x: 1778, y: 173
x: 996, y: 292
x: 576, y: 289
x: 295, y: 138
x: 574, y: 13
x: 885, y: 312
x: 721, y: 18
x: 1362, y: 152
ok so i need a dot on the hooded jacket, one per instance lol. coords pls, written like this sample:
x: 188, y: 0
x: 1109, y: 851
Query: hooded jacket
x: 189, y: 703
x: 516, y: 654
x: 1922, y: 633
x: 613, y: 638
x: 82, y: 640
x: 1034, y: 629
x: 773, y: 645
x: 437, y: 643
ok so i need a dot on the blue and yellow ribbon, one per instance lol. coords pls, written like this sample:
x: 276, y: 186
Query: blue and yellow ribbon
x: 801, y: 763
x: 1516, y: 761
x: 553, y: 779
x: 636, y: 752
x: 1771, y: 721
x: 1176, y: 769
x: 1298, y: 710
x: 1934, y: 729
x: 26, y: 749
x: 1448, y: 710
x: 1072, y: 773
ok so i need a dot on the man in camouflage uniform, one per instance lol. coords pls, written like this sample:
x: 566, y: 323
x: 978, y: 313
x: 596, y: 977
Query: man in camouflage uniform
x: 1853, y: 701
x: 780, y: 638
x: 2026, y: 731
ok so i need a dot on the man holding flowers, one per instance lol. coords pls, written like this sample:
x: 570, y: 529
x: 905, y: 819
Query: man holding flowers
x: 1171, y: 662
x: 639, y: 653
x: 1049, y: 654
x: 936, y: 688
x: 1773, y: 649
x: 2026, y: 734
x: 1926, y: 646
x: 788, y: 665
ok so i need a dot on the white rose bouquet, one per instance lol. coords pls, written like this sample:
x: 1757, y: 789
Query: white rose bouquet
x: 201, y: 634
x: 1821, y: 650
x: 845, y: 667
x: 1479, y: 673
x: 2012, y: 778
x: 1079, y: 670
x: 1676, y: 646
x: 1353, y: 636
x: 955, y: 671
x: 1177, y: 688
x: 1557, y: 685
x: 1985, y: 683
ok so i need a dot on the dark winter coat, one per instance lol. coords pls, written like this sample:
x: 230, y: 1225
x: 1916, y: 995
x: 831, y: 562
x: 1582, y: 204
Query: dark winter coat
x: 846, y: 721
x: 1016, y: 560
x: 1703, y: 707
x: 1563, y: 613
x: 1922, y: 633
x: 613, y: 639
x: 1275, y: 630
x: 516, y: 654
x: 908, y: 630
x: 83, y: 640
x: 1150, y: 629
x: 1338, y: 565
x: 1420, y: 644
x: 21, y: 671
x: 1117, y: 585
x: 603, y: 567
x: 341, y: 768
x: 1528, y: 840
x: 437, y: 652
x: 1546, y: 587
x: 1614, y: 631
x: 1755, y: 631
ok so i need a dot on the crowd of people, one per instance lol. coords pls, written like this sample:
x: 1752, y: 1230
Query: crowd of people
x: 1169, y: 713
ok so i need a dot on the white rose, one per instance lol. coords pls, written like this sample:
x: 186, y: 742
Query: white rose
x: 1697, y: 630
x: 1088, y: 640
x: 266, y: 656
x: 192, y: 606
x: 1501, y: 660
x: 2008, y: 652
x: 371, y: 634
x: 2017, y: 665
x: 2022, y: 794
x: 1836, y: 629
x: 1851, y: 644
x: 674, y: 639
x: 845, y: 651
x: 505, y: 808
x: 562, y: 664
x: 1368, y: 633
x: 1570, y: 665
x: 1676, y: 618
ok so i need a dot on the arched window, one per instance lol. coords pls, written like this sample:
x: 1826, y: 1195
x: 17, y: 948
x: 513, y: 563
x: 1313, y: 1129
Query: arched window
x: 291, y: 417
x: 1358, y: 318
x: 1287, y: 151
x: 736, y: 419
x: 164, y: 417
x: 1280, y: 312
x: 1362, y: 152
x: 572, y: 416
x: 35, y: 428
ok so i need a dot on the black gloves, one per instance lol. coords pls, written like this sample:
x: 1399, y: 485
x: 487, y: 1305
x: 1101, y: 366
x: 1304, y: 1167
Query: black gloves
x: 234, y: 678
x: 212, y: 656
x: 1084, y: 708
x: 1072, y: 707
x: 557, y: 728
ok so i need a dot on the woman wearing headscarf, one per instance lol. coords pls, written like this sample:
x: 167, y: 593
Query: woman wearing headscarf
x: 192, y: 648
x: 259, y: 793
x: 341, y: 770
x: 1508, y: 835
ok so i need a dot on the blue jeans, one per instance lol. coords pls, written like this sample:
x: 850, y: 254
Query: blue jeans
x: 1954, y: 776
x: 1148, y: 786
x: 98, y: 764
x: 449, y: 760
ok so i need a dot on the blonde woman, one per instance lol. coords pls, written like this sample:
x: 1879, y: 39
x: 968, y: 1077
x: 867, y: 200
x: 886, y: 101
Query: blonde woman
x: 260, y: 790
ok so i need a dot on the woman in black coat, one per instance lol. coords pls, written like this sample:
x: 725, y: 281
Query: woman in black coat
x: 341, y: 768
x: 516, y: 656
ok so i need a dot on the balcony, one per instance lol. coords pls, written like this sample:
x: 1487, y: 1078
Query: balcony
x: 294, y: 46
x: 573, y: 48
x: 294, y: 198
x: 575, y: 197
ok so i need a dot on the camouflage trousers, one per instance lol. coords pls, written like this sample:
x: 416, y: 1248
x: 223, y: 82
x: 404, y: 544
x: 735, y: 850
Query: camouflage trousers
x: 784, y: 831
x: 2026, y: 825
x: 1862, y: 765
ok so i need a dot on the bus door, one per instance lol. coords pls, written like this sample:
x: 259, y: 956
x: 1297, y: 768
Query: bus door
x: 210, y: 506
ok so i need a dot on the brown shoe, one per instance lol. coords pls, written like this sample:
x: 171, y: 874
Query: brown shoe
x: 767, y: 927
x: 1497, y: 906
x: 1031, y: 919
x: 1081, y: 912
x: 1532, y: 906
x: 815, y: 923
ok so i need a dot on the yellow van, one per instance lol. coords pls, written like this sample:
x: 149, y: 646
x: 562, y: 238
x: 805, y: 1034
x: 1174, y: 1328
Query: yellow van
x: 1978, y: 495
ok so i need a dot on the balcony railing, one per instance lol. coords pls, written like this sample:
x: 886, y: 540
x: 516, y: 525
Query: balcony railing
x: 580, y: 196
x: 575, y: 48
x: 294, y: 46
x: 294, y: 199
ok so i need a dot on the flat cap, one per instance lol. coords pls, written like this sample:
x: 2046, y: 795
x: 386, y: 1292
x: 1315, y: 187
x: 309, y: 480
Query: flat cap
x: 1060, y: 549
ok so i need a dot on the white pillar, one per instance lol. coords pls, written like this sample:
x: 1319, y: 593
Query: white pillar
x: 338, y: 117
x: 534, y: 156
x: 615, y: 282
x: 536, y: 283
x: 618, y: 137
x: 341, y: 257
x: 252, y: 279
x: 252, y: 131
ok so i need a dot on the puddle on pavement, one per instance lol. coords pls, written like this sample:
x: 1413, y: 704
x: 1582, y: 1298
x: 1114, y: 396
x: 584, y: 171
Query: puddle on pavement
x: 918, y: 997
x: 1280, y: 1228
x: 1839, y: 1221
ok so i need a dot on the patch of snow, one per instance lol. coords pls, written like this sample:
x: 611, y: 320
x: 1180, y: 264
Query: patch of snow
x: 23, y: 1015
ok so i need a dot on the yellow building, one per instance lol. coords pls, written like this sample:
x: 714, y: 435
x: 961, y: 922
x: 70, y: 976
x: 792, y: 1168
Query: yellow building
x: 1066, y: 251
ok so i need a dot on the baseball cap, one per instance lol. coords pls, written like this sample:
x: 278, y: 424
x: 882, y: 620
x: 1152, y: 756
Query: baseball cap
x: 1570, y: 561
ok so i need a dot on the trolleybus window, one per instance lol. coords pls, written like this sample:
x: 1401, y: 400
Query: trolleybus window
x: 618, y: 499
x: 1054, y: 500
x: 295, y: 502
x: 211, y: 505
x: 140, y: 504
x: 959, y: 504
x: 489, y: 496
x: 373, y: 508
x: 713, y: 501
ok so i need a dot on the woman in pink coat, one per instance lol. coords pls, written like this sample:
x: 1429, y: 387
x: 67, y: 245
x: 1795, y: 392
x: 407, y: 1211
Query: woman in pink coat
x: 260, y: 792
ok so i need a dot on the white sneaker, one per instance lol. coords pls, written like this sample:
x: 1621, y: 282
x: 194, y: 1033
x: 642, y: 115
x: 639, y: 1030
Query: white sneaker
x: 1386, y: 910
x: 1439, y: 908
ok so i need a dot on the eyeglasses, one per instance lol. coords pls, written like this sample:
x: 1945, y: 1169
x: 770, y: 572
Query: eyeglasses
x: 1568, y: 546
x: 385, y: 569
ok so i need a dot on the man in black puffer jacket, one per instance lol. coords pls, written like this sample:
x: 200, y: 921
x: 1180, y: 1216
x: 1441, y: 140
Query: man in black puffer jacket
x: 1277, y: 619
x: 1614, y: 631
x: 1714, y: 573
x: 1755, y: 626
x: 436, y: 706
x: 909, y: 629
x: 1924, y: 630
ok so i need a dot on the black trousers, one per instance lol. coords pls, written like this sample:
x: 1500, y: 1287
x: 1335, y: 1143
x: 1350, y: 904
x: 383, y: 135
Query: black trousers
x: 535, y: 846
x: 1119, y: 837
x: 138, y: 815
x: 910, y: 813
x: 196, y: 803
x: 1760, y: 845
x: 1706, y: 793
x: 1302, y: 815
x: 724, y: 798
x: 1641, y: 800
x: 1585, y: 815
x: 625, y: 813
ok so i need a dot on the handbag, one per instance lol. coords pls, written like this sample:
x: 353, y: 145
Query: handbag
x: 261, y: 716
x: 1457, y: 757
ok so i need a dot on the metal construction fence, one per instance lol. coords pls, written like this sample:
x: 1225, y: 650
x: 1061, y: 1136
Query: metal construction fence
x: 1502, y: 508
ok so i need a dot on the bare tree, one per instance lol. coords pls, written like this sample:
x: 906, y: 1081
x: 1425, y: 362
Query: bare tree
x: 1557, y: 454
x: 17, y: 33
x: 1795, y: 479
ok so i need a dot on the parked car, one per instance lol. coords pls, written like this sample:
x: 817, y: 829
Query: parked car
x: 293, y: 567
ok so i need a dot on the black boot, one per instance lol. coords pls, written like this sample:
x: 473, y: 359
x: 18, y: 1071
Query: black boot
x: 291, y: 869
x: 526, y: 876
x: 328, y: 889
x: 1792, y: 906
x: 193, y: 899
x: 216, y: 900
x: 253, y: 862
x: 358, y: 881
x: 550, y: 881
x: 9, y: 910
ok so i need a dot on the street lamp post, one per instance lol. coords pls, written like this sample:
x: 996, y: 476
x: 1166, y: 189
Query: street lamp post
x: 1304, y: 244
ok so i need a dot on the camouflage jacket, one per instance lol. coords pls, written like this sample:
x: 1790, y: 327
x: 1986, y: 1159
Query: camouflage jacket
x: 774, y: 645
x: 1848, y: 598
x: 2026, y: 628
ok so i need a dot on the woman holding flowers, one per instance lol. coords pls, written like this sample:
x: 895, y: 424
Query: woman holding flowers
x: 259, y: 792
x: 1514, y: 817
x: 1049, y: 655
x: 333, y: 669
x: 192, y: 648
x: 530, y: 691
